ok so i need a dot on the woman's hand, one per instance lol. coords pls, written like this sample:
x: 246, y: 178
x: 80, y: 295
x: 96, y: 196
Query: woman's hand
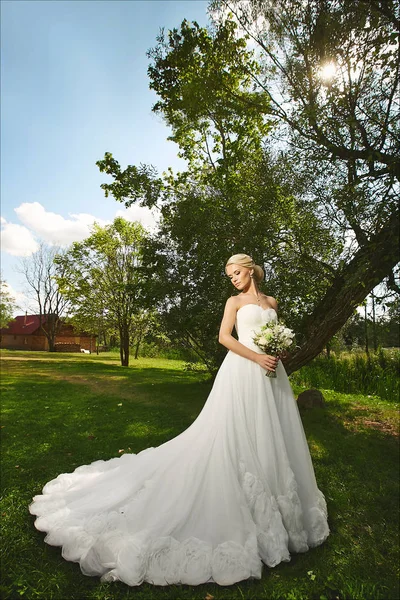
x: 267, y: 362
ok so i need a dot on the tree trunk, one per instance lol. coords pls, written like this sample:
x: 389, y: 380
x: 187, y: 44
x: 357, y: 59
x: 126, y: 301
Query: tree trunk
x: 374, y: 338
x: 366, y: 329
x: 371, y: 264
x: 124, y: 349
x: 51, y: 335
x: 137, y: 347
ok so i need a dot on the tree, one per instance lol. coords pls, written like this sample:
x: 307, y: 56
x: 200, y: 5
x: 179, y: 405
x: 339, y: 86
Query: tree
x: 7, y: 304
x: 231, y: 181
x: 94, y: 323
x: 189, y: 69
x: 348, y: 112
x: 341, y: 157
x: 41, y: 272
x: 103, y: 278
x: 199, y: 230
x: 145, y: 322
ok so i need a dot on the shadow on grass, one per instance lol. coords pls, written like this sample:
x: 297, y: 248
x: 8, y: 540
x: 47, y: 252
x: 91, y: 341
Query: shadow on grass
x: 60, y: 423
x: 358, y: 471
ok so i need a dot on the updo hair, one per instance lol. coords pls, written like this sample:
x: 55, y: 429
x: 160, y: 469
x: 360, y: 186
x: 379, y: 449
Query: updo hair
x: 244, y: 260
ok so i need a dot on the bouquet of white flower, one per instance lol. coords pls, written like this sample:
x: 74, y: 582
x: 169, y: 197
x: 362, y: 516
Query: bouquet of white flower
x: 274, y: 338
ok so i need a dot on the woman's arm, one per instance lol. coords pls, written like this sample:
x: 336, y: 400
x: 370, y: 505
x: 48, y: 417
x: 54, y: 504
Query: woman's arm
x: 226, y: 339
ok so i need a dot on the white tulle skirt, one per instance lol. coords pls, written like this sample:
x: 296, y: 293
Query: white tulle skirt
x: 235, y: 490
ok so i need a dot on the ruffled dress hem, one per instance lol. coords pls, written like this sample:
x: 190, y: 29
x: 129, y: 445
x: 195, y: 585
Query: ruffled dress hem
x: 103, y: 547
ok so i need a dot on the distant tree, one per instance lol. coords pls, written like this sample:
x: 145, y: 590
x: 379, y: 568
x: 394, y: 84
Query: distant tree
x: 144, y: 323
x: 41, y: 272
x: 95, y: 324
x: 361, y: 331
x: 389, y: 325
x: 103, y: 278
x: 7, y: 304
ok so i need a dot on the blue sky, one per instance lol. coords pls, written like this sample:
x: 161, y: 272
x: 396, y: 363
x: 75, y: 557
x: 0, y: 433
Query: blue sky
x: 75, y: 85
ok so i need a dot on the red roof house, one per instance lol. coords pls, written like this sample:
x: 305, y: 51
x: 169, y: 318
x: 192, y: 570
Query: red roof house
x: 25, y: 333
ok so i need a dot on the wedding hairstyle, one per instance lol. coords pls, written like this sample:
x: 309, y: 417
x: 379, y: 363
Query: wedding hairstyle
x: 244, y: 260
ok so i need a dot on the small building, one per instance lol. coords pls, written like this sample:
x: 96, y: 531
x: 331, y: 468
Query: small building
x: 25, y: 333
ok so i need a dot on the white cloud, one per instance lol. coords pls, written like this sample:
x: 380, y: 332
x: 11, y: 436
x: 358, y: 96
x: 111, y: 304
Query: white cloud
x: 17, y: 240
x: 145, y: 216
x: 88, y: 220
x: 54, y: 228
x: 21, y: 300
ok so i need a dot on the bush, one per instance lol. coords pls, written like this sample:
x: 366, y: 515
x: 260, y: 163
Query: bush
x: 161, y: 350
x: 354, y: 372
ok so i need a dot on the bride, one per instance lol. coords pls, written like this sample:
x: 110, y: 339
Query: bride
x: 235, y: 490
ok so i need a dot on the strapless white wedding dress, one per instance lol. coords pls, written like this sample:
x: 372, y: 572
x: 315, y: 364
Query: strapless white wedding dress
x: 235, y: 490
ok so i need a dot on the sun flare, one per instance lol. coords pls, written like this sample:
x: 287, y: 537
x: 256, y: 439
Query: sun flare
x: 327, y: 71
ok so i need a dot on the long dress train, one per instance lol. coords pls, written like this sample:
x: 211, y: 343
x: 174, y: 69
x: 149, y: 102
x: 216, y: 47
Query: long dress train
x: 235, y: 490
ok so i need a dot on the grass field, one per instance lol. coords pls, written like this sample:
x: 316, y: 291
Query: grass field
x: 64, y: 410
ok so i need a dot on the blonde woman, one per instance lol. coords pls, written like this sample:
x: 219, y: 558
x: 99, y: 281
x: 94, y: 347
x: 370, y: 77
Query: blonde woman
x: 236, y: 490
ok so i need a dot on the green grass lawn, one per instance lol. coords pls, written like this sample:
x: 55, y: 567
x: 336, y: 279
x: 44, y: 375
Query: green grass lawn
x: 64, y: 410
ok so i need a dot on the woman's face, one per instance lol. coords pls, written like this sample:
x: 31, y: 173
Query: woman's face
x: 240, y: 276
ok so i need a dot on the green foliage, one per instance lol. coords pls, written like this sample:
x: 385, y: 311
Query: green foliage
x: 203, y: 80
x: 266, y: 215
x: 344, y: 126
x: 385, y: 332
x: 164, y: 349
x: 317, y: 208
x: 350, y: 115
x: 377, y: 374
x: 134, y: 183
x: 103, y: 279
x: 7, y: 304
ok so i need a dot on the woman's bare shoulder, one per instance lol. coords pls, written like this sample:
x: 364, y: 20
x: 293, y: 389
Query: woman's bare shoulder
x: 233, y: 302
x: 272, y: 302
